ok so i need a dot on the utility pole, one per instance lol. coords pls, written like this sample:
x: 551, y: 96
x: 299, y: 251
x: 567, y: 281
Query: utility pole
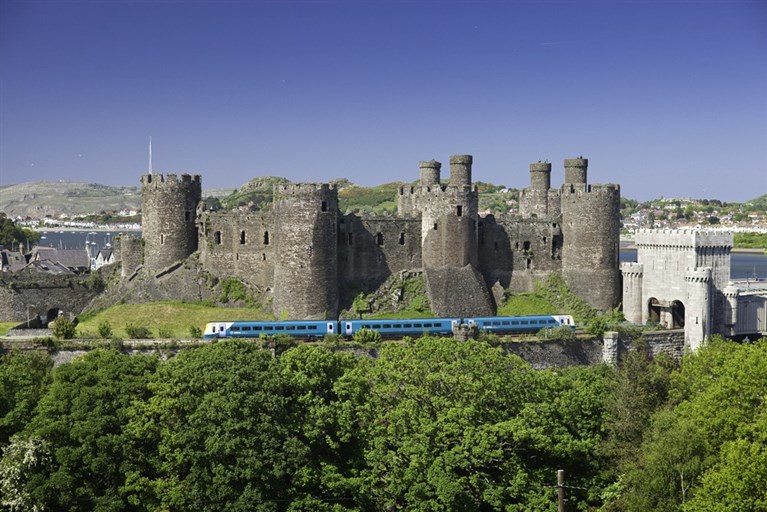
x: 561, y: 490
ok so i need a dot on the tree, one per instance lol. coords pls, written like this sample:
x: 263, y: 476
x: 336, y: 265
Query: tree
x: 80, y: 422
x: 12, y: 234
x: 718, y: 402
x: 24, y: 379
x: 215, y: 435
x: 447, y: 425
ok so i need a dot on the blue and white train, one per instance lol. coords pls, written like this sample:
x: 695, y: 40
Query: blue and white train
x: 314, y: 329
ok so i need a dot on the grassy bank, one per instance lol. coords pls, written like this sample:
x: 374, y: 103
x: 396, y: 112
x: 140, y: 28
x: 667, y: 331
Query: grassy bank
x: 175, y: 319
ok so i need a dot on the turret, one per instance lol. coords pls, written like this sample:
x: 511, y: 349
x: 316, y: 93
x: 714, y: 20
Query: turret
x: 697, y: 321
x: 633, y: 273
x: 460, y: 170
x: 575, y: 171
x: 534, y: 200
x: 430, y: 170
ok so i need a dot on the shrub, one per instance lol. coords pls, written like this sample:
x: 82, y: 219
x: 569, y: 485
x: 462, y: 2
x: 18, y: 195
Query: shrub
x: 105, y: 329
x: 164, y: 332
x: 195, y: 332
x: 561, y: 333
x: 138, y: 332
x: 64, y: 328
x: 367, y: 336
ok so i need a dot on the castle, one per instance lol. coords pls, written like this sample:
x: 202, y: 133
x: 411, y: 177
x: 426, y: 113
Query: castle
x: 311, y: 257
x: 682, y: 280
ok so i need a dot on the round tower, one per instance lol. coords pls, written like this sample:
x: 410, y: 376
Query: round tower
x: 540, y: 176
x: 730, y: 320
x: 306, y: 266
x: 633, y: 274
x: 460, y: 170
x: 591, y: 243
x: 534, y: 200
x: 575, y: 172
x: 697, y: 317
x: 430, y: 171
x: 168, y: 223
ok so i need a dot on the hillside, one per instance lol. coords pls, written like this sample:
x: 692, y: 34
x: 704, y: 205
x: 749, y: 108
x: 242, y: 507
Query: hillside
x: 39, y: 199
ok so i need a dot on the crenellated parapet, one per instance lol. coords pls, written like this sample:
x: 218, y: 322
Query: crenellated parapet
x: 697, y: 275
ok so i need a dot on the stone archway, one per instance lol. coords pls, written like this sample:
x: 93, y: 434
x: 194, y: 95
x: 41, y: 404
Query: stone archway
x: 677, y: 315
x: 654, y: 309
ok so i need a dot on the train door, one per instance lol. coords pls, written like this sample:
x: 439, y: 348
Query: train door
x: 221, y: 330
x: 331, y: 328
x: 347, y: 328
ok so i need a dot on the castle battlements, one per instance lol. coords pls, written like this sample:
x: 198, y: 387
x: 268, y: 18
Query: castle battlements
x: 632, y: 269
x: 159, y: 180
x: 683, y: 238
x: 697, y: 275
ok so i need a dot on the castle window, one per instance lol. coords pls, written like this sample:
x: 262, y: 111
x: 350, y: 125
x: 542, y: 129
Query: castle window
x: 459, y: 210
x: 188, y: 215
x: 526, y: 245
x: 351, y: 238
x: 379, y: 239
x: 544, y: 239
x: 516, y: 245
x: 529, y: 263
x: 324, y: 206
x: 263, y: 256
x: 266, y: 238
x: 217, y: 237
x: 162, y: 239
x: 402, y: 238
x: 435, y: 225
x: 242, y: 237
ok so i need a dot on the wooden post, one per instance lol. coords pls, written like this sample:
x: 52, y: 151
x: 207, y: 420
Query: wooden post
x: 561, y: 490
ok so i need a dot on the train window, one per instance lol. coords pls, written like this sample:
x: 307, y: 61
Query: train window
x: 279, y: 327
x: 427, y: 325
x: 312, y: 327
x: 247, y: 328
x: 290, y: 328
x: 524, y: 322
x: 376, y: 326
x: 407, y: 325
x: 418, y: 325
x: 514, y: 322
x: 386, y: 326
x: 496, y: 323
x: 505, y: 322
x: 234, y: 328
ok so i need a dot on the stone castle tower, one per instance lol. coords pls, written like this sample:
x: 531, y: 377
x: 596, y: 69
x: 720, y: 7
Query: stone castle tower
x: 585, y: 230
x: 449, y: 220
x: 306, y: 267
x: 311, y: 258
x: 169, y: 229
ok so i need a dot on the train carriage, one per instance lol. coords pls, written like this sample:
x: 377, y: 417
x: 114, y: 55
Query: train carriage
x: 519, y: 324
x: 308, y: 329
x: 407, y: 327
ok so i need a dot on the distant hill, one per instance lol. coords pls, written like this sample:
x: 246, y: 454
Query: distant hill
x: 38, y: 199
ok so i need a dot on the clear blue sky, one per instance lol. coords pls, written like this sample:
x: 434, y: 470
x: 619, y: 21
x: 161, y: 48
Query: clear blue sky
x: 666, y: 98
